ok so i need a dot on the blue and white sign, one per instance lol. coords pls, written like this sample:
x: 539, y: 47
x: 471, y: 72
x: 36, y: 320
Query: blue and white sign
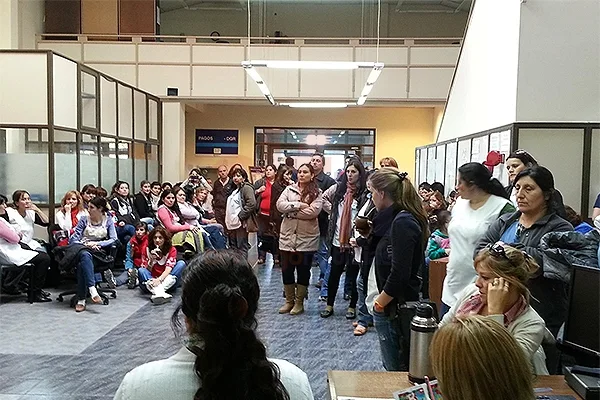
x: 216, y: 141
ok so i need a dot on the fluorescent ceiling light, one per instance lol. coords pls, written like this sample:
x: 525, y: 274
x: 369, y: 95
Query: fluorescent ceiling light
x: 376, y: 69
x: 286, y: 64
x: 316, y: 105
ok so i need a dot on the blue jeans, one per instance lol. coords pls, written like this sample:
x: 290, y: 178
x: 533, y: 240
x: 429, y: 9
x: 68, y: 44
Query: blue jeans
x: 394, y: 338
x: 85, y: 274
x: 125, y: 233
x: 216, y: 236
x: 364, y: 316
x: 149, y: 221
x: 144, y: 274
x: 323, y: 261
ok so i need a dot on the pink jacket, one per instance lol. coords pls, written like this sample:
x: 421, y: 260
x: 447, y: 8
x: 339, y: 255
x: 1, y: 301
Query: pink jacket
x: 170, y: 220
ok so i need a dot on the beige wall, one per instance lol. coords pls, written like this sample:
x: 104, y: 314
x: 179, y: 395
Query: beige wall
x: 398, y: 130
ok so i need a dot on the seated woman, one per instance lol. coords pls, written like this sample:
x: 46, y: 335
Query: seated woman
x: 88, y: 192
x: 70, y: 212
x: 160, y: 270
x: 125, y: 213
x: 211, y: 231
x: 24, y: 216
x: 96, y: 232
x: 169, y: 215
x: 203, y: 203
x: 465, y: 351
x: 219, y: 303
x: 500, y: 293
x: 12, y: 253
x: 143, y: 204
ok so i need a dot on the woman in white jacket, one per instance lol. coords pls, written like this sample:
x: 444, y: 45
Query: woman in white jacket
x: 500, y: 293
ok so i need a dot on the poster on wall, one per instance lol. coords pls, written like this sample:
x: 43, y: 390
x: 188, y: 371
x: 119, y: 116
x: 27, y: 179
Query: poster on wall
x: 217, y: 141
x: 256, y: 173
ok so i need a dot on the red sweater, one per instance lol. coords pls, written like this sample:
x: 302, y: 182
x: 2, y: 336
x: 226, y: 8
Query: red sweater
x: 158, y: 267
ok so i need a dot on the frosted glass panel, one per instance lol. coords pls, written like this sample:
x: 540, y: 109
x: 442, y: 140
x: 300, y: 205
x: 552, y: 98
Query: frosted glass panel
x: 65, y: 164
x: 450, y: 179
x: 140, y: 115
x: 108, y: 163
x: 153, y: 119
x: 64, y: 73
x: 88, y: 100
x: 125, y: 112
x: 108, y: 106
x: 125, y: 162
x: 431, y: 164
x: 153, y: 163
x: 15, y: 167
x: 88, y: 159
x: 139, y: 164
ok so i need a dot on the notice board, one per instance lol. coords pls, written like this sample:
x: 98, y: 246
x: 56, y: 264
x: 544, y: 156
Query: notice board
x: 217, y: 141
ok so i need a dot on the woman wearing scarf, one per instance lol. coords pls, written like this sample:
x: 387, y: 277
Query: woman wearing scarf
x: 343, y: 201
x: 70, y: 212
x: 500, y: 293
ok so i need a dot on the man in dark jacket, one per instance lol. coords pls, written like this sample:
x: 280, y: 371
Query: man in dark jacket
x: 220, y: 196
x: 324, y: 182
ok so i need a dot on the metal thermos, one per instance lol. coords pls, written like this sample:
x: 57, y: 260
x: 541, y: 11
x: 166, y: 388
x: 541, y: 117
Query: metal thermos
x: 422, y: 329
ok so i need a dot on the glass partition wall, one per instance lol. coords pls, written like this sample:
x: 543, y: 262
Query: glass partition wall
x: 575, y: 169
x: 98, y: 130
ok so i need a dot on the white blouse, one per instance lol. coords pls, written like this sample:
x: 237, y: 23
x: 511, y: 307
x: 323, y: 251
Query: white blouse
x: 25, y: 225
x: 64, y: 221
x: 175, y: 379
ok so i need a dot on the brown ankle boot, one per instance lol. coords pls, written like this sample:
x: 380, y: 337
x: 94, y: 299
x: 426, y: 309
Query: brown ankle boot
x: 299, y: 304
x: 290, y: 293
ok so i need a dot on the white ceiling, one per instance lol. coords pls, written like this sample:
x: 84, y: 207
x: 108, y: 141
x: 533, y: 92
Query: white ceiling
x: 428, y: 6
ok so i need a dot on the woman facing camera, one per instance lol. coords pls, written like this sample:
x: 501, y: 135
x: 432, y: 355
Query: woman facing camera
x: 160, y: 270
x: 300, y: 205
x: 24, y: 216
x: 476, y: 358
x: 70, y: 212
x: 537, y: 215
x: 500, y: 293
x: 223, y: 358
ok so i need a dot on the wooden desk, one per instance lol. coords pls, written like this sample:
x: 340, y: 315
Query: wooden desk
x: 437, y: 273
x: 382, y: 385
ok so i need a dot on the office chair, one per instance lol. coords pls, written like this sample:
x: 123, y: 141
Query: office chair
x: 6, y: 268
x: 99, y: 268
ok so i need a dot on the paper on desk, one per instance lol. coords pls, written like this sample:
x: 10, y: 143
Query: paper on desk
x: 363, y: 398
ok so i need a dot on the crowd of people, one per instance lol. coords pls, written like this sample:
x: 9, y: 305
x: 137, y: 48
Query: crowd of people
x: 373, y: 225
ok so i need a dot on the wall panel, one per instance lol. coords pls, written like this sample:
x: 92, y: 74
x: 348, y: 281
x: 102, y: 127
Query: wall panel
x: 65, y: 92
x: 218, y: 81
x: 430, y: 83
x: 157, y: 78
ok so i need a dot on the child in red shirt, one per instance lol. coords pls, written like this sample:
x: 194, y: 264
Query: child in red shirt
x: 160, y: 270
x: 136, y: 247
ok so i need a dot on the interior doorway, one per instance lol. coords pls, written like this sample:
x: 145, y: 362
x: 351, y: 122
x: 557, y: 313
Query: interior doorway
x: 274, y: 145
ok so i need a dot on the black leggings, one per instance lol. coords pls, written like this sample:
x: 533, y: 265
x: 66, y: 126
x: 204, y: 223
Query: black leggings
x: 340, y: 261
x: 41, y: 263
x: 298, y: 261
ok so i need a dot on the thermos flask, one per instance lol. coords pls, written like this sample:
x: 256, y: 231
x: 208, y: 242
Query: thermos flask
x: 422, y: 329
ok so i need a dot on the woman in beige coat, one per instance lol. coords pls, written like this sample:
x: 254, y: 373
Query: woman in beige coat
x: 300, y: 205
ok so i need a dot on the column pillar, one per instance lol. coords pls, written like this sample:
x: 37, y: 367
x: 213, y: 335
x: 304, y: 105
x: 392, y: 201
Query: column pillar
x: 173, y: 146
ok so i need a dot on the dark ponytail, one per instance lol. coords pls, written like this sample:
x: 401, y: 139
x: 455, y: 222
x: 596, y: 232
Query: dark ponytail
x: 220, y: 299
x: 477, y: 174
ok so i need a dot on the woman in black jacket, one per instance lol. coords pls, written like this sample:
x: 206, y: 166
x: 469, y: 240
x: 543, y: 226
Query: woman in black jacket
x: 343, y: 201
x: 126, y: 215
x: 400, y: 232
x: 536, y: 216
x: 143, y: 204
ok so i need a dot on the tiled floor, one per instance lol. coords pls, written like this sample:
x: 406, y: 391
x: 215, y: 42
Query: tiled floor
x: 47, y: 351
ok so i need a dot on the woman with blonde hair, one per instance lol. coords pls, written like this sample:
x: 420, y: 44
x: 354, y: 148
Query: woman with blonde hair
x: 476, y: 358
x: 70, y: 212
x: 399, y: 237
x: 500, y: 293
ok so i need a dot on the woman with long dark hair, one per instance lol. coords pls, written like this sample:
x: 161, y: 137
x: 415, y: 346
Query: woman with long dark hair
x: 241, y: 208
x: 126, y: 214
x: 482, y: 200
x: 400, y: 233
x: 263, y: 189
x: 536, y: 216
x: 300, y: 205
x: 343, y: 201
x: 282, y: 180
x: 223, y: 358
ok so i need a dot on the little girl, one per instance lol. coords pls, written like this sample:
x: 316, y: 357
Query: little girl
x: 439, y: 242
x: 160, y: 270
x: 136, y: 247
